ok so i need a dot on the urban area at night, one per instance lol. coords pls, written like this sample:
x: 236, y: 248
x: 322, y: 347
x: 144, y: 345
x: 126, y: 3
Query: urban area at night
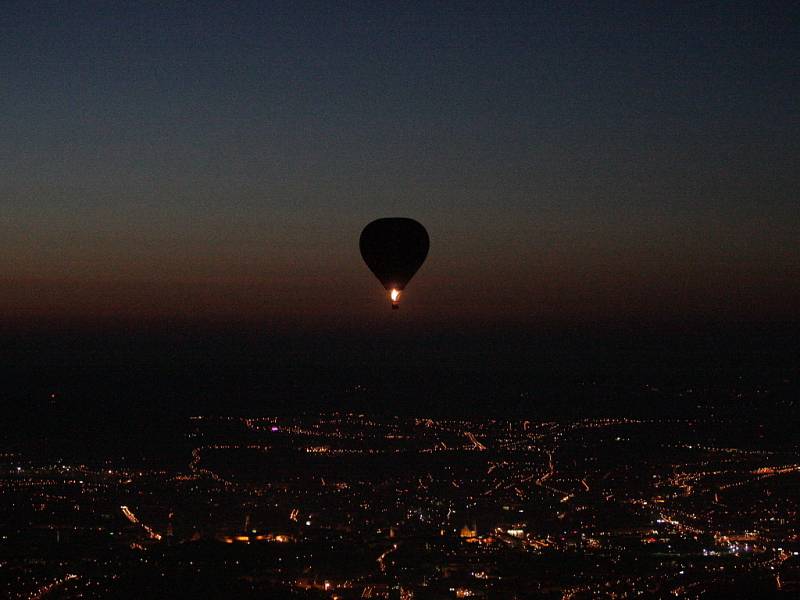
x: 349, y: 505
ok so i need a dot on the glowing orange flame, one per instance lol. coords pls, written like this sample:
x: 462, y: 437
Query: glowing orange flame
x: 394, y: 295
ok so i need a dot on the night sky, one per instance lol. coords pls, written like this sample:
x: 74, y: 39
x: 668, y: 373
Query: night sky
x: 216, y: 162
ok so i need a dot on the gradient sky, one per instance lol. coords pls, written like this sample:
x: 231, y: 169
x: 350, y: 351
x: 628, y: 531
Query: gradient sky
x: 572, y: 162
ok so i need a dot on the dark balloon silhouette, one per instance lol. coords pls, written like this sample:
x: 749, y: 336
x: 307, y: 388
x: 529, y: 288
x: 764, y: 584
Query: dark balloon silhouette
x: 394, y: 249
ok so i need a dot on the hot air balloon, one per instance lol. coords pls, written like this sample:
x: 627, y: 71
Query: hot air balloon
x: 394, y: 249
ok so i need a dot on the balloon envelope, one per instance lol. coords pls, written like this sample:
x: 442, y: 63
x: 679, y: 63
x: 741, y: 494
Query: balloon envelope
x: 394, y: 249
